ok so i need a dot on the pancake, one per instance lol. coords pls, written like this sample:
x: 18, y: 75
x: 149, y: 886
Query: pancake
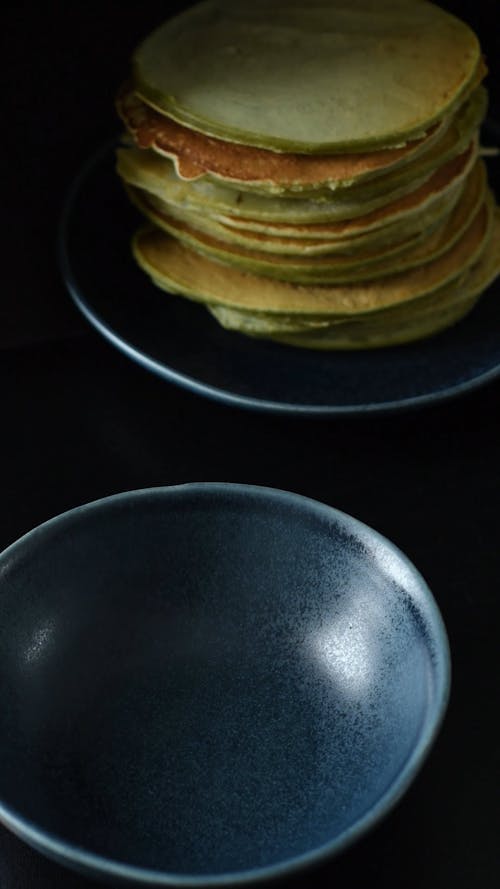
x: 177, y: 268
x: 338, y: 268
x: 322, y: 78
x: 389, y: 238
x: 311, y: 173
x: 424, y: 317
x: 447, y: 142
x: 150, y: 172
x: 195, y: 155
x: 429, y: 316
x: 144, y: 169
x: 429, y: 199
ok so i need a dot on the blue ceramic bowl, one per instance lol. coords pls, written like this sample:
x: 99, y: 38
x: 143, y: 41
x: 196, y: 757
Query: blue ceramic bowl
x: 210, y: 684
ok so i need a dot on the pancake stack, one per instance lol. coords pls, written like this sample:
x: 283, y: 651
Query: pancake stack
x: 312, y: 173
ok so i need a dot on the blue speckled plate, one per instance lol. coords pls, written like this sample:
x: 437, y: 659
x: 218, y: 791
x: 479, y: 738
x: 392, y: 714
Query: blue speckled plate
x: 181, y: 342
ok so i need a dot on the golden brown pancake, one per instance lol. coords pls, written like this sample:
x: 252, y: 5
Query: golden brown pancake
x: 151, y: 172
x: 426, y: 317
x: 179, y: 269
x: 299, y: 176
x: 195, y: 154
x: 420, y: 317
x: 443, y: 181
x: 377, y: 243
x: 314, y: 78
x: 336, y: 268
x: 385, y: 239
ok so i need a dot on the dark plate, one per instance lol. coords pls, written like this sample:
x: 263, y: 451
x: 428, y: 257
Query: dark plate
x: 181, y: 342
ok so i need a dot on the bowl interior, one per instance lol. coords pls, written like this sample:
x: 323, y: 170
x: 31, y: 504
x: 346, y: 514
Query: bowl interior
x: 209, y: 679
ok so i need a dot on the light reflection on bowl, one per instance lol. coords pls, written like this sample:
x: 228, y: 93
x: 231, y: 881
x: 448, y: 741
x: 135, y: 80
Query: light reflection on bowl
x: 210, y: 684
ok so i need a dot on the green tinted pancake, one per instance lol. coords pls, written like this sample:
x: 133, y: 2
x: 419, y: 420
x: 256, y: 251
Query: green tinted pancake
x: 465, y: 288
x: 450, y: 142
x: 334, y: 268
x: 146, y: 170
x: 196, y: 155
x: 415, y: 321
x: 389, y: 238
x: 178, y: 269
x: 421, y: 206
x: 325, y: 76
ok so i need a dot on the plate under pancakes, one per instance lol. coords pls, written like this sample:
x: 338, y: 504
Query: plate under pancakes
x: 340, y: 244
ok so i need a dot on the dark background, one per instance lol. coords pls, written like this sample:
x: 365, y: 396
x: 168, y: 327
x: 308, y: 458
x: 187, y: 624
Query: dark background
x: 79, y: 421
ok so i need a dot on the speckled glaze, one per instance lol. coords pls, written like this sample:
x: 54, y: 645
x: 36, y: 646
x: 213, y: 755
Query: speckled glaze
x: 210, y: 684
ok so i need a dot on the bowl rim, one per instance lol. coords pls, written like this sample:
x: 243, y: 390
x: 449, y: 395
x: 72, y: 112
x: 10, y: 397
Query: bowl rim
x: 96, y: 865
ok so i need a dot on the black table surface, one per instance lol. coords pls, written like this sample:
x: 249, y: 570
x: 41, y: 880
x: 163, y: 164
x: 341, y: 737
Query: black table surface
x: 80, y: 421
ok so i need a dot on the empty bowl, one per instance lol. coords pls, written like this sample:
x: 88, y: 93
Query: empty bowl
x: 210, y: 684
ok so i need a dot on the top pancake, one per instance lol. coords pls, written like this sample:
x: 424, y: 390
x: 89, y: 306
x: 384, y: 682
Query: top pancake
x: 195, y: 154
x: 245, y: 166
x: 329, y: 76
